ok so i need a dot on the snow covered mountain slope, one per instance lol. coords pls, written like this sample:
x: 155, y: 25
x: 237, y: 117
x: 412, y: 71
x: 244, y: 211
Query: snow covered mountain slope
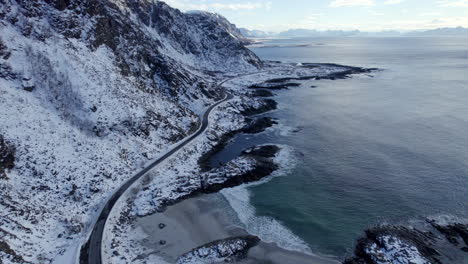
x: 90, y: 91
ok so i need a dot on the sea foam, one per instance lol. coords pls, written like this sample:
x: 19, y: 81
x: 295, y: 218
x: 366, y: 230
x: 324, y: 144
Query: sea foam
x: 268, y: 229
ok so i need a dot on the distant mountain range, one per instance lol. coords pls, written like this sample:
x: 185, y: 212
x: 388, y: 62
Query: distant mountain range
x: 297, y: 33
x: 453, y: 32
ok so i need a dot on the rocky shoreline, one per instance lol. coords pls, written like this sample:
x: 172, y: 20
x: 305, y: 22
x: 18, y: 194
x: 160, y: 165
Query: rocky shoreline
x: 91, y: 91
x: 252, y: 126
x: 227, y: 176
x: 259, y: 125
x: 253, y: 164
x: 226, y: 250
x: 262, y: 155
x: 433, y: 242
x: 383, y: 244
x: 263, y: 89
x: 261, y: 93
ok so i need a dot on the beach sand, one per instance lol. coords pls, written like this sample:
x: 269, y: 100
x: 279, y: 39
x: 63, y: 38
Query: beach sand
x: 201, y: 220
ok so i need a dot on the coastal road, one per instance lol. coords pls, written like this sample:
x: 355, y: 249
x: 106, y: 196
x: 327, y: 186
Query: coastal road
x: 91, y: 251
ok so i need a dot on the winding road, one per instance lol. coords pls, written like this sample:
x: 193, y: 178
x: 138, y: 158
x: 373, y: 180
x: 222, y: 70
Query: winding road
x: 91, y: 251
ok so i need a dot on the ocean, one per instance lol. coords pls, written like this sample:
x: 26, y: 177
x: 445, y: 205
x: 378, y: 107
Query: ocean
x: 385, y: 147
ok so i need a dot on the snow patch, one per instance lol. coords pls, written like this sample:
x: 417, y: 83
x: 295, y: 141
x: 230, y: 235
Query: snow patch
x: 395, y: 251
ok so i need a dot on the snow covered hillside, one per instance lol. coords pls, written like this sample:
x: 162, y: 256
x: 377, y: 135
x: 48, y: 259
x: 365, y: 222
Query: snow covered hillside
x: 90, y: 91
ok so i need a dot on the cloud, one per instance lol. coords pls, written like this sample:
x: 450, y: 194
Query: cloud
x: 217, y: 6
x: 314, y: 16
x: 429, y: 14
x: 375, y: 13
x: 341, y: 3
x: 458, y: 3
x: 393, y: 2
x: 240, y: 6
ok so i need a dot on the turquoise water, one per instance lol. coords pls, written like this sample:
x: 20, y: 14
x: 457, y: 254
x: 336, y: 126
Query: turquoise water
x: 386, y: 148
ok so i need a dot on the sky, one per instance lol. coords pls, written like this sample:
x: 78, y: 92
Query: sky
x: 365, y: 15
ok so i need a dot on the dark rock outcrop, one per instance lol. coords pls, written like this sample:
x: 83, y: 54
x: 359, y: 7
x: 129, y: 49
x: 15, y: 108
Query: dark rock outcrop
x: 261, y: 93
x: 266, y: 151
x: 7, y: 157
x: 203, y: 161
x: 6, y: 72
x: 10, y: 254
x: 263, y: 166
x: 431, y: 243
x: 455, y: 233
x: 259, y: 125
x: 4, y: 52
x: 266, y: 105
x: 5, y: 69
x: 274, y: 86
x: 226, y: 250
x: 286, y: 82
x: 253, y: 165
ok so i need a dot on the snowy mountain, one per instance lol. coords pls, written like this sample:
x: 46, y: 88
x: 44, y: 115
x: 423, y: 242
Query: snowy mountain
x: 256, y: 33
x: 302, y: 33
x: 89, y: 92
x: 208, y: 19
x: 441, y: 32
x: 297, y: 33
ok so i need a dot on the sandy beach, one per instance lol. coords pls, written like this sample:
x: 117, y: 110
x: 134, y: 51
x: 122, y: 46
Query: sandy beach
x: 201, y: 220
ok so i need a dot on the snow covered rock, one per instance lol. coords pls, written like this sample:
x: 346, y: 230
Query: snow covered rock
x: 227, y: 250
x: 433, y: 242
x: 253, y: 165
x: 259, y: 125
